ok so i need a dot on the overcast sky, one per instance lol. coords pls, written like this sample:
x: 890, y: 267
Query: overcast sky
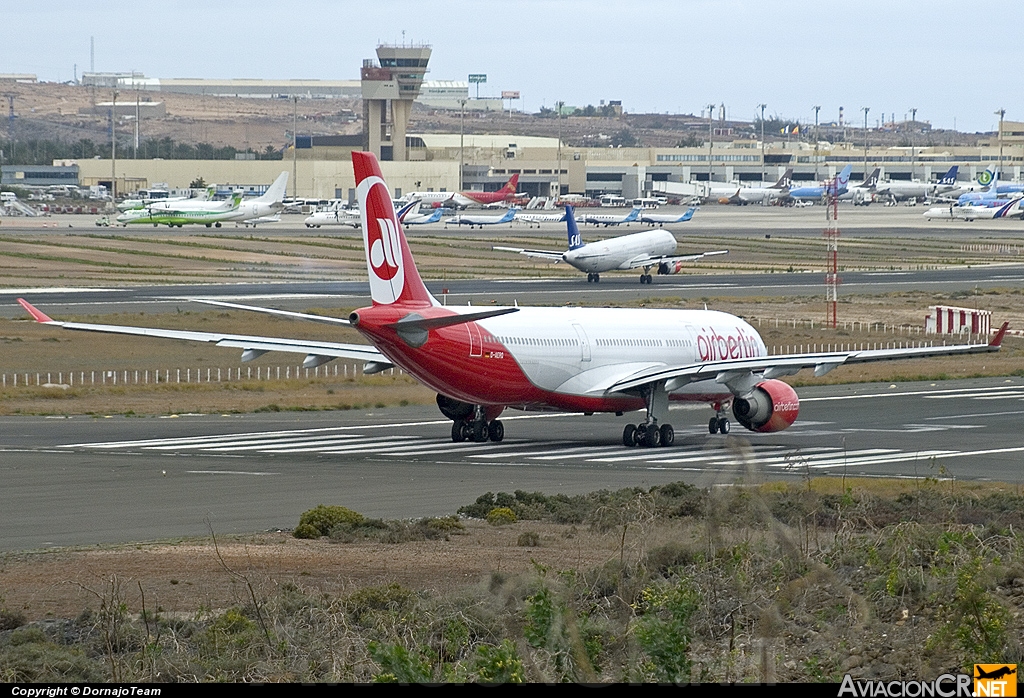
x: 952, y: 60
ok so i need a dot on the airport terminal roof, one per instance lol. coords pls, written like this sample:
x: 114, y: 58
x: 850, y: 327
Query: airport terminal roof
x: 477, y: 140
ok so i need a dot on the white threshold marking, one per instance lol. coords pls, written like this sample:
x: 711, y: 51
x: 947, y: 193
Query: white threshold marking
x: 226, y: 472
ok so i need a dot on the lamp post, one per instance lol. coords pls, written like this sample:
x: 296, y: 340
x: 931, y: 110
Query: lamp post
x: 462, y: 136
x: 113, y: 149
x: 711, y: 116
x: 762, y: 108
x: 816, y: 108
x: 295, y: 145
x: 1000, y: 113
x: 559, y: 106
x: 913, y: 125
x: 865, y: 110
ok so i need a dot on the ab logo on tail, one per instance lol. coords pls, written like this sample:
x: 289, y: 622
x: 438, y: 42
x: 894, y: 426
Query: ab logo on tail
x: 382, y: 241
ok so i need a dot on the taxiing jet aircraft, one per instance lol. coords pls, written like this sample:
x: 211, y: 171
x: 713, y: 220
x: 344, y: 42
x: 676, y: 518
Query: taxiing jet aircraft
x: 818, y: 191
x: 465, y: 199
x: 480, y: 221
x: 611, y: 219
x: 661, y: 219
x: 566, y: 359
x: 647, y: 249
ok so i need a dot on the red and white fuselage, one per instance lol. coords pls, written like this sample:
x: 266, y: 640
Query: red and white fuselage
x: 561, y: 358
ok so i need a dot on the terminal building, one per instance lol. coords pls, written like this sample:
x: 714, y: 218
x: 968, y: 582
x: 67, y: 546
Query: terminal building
x: 431, y: 162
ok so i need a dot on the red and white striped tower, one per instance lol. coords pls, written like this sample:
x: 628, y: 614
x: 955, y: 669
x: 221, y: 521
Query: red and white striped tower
x: 831, y: 235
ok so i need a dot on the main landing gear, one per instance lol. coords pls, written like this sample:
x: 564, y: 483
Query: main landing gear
x: 593, y: 278
x: 645, y: 277
x: 478, y: 431
x: 470, y: 422
x: 720, y: 422
x: 650, y: 433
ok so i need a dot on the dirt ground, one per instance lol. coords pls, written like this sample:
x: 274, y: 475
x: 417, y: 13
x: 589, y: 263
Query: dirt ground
x: 184, y: 576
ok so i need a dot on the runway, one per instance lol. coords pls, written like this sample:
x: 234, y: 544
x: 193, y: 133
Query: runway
x: 87, y: 480
x: 300, y: 295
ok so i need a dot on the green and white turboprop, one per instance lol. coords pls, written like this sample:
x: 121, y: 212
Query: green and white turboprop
x: 179, y: 213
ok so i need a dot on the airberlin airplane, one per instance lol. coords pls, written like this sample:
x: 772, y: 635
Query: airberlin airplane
x: 587, y: 360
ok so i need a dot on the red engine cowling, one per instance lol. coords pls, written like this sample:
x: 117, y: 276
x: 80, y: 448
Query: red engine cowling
x: 773, y: 406
x: 670, y: 267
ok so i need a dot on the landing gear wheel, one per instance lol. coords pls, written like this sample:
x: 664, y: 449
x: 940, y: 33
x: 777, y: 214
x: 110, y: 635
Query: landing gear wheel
x: 496, y: 431
x: 597, y: 278
x: 668, y: 435
x: 723, y: 425
x: 480, y: 431
x: 457, y: 436
x: 646, y: 278
x: 467, y: 431
x: 629, y: 436
x: 652, y: 437
x: 640, y: 435
x: 590, y: 278
x: 713, y: 425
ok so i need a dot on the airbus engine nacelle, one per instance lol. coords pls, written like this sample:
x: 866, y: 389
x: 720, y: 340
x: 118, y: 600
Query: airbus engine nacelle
x: 773, y: 406
x: 459, y: 411
x: 670, y: 267
x: 453, y: 409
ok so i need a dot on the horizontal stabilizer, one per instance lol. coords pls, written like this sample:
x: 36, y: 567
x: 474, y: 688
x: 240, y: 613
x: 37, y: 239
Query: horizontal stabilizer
x: 416, y: 322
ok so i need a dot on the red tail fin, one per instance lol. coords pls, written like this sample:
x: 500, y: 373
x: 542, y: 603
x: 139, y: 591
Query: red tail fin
x: 392, y: 271
x: 512, y: 184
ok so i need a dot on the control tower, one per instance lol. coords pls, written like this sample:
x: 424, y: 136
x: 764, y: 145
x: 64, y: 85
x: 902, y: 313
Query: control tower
x: 390, y: 85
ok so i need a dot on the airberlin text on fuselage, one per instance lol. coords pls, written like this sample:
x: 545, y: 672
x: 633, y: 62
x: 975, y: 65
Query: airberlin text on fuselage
x: 712, y: 346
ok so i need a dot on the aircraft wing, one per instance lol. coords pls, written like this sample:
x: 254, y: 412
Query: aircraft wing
x: 650, y: 261
x: 251, y: 346
x: 742, y: 375
x: 549, y: 255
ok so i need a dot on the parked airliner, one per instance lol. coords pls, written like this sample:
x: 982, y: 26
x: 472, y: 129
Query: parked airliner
x: 566, y: 359
x: 607, y: 219
x: 647, y: 249
x: 816, y: 192
x: 897, y: 190
x: 661, y: 219
x: 480, y: 221
x: 465, y: 199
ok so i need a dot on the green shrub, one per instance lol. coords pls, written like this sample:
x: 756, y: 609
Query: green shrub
x: 529, y: 539
x: 499, y: 516
x: 306, y: 531
x: 324, y: 518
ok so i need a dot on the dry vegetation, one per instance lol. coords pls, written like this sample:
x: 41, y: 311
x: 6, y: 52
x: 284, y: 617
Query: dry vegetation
x: 799, y: 582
